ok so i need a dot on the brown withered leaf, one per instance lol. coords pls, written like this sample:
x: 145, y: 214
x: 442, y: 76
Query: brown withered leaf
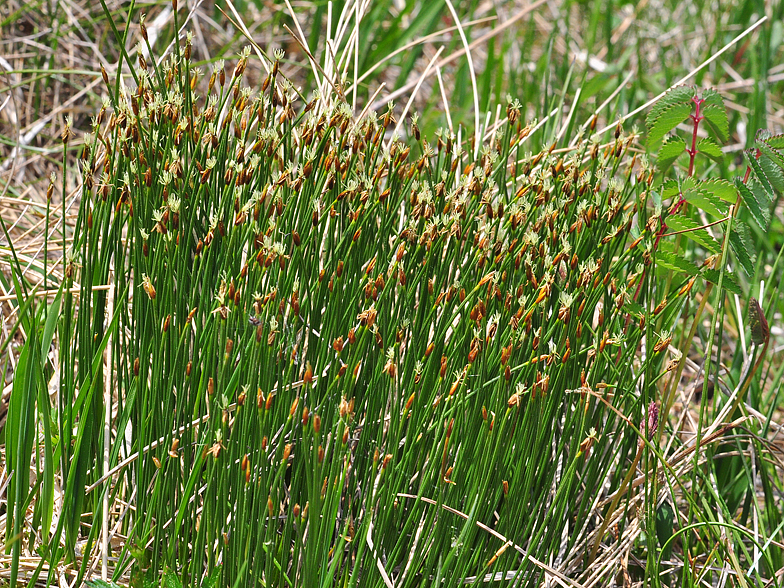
x: 760, y: 332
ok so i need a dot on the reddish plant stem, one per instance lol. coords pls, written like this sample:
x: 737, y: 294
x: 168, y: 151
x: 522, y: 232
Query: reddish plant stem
x: 696, y: 118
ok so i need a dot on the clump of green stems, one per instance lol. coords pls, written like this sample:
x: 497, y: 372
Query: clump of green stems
x: 334, y: 362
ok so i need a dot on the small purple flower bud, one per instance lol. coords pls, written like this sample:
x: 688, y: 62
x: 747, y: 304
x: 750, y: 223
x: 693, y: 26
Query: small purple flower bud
x: 653, y: 419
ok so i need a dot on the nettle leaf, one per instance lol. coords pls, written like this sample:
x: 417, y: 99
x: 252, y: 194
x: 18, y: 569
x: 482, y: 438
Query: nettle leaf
x: 743, y: 246
x: 676, y: 263
x: 715, y: 114
x: 775, y: 141
x: 709, y: 147
x: 705, y: 199
x: 667, y: 121
x: 728, y: 283
x: 695, y: 233
x: 672, y: 148
x: 757, y: 202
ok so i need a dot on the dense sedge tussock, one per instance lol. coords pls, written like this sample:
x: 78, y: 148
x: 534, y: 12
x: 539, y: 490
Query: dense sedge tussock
x: 339, y: 358
x: 325, y: 331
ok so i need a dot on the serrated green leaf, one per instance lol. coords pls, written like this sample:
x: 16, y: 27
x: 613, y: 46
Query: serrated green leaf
x: 170, y: 580
x: 677, y: 95
x: 772, y: 172
x: 667, y: 245
x: 672, y: 148
x: 762, y: 135
x: 709, y: 147
x: 666, y: 121
x: 743, y: 246
x: 716, y: 114
x: 775, y: 141
x: 711, y: 97
x: 719, y: 188
x: 676, y: 223
x: 762, y: 196
x: 211, y: 581
x: 672, y: 188
x: 728, y: 283
x: 759, y: 173
x: 676, y: 263
x: 774, y: 154
x: 706, y: 200
x: 759, y: 208
x: 635, y: 308
x: 709, y: 195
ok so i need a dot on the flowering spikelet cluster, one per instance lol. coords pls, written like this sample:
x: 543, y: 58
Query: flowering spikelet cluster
x: 292, y: 248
